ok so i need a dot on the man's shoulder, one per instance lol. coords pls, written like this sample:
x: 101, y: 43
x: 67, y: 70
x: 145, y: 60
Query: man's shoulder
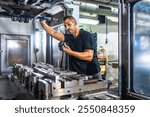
x: 85, y: 32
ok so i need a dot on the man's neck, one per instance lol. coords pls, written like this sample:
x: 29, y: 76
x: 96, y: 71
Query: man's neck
x: 76, y: 32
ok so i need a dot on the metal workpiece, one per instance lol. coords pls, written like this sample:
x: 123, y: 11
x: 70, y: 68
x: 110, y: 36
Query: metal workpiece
x: 51, y: 88
x: 47, y: 73
x: 42, y: 71
x: 67, y: 87
x: 53, y: 83
x: 43, y: 89
x: 77, y: 77
x: 14, y: 69
x: 71, y: 83
x: 43, y: 65
x: 35, y: 76
x: 17, y: 68
x: 88, y: 88
x: 71, y: 80
x: 33, y: 82
x: 26, y: 72
x: 54, y: 86
x: 64, y: 72
x: 53, y: 76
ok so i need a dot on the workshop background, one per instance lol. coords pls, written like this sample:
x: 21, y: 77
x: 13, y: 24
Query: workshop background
x: 26, y: 49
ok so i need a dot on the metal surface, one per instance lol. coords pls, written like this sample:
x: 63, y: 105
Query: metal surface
x: 43, y: 88
x: 43, y: 84
x: 26, y: 72
x: 23, y: 11
x: 53, y: 76
x: 138, y: 64
x: 71, y: 83
x: 18, y: 53
x: 98, y: 8
x: 17, y: 70
x: 80, y: 89
x: 15, y: 50
x: 57, y: 54
x: 113, y: 3
x: 42, y: 65
x: 64, y: 72
x: 139, y: 49
x: 33, y: 82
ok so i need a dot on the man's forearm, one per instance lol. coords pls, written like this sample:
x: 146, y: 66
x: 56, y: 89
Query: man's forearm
x: 87, y: 56
x: 48, y: 29
x: 52, y: 32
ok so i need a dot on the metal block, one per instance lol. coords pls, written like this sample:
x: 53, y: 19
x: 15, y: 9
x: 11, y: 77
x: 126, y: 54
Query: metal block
x: 43, y: 88
x: 42, y: 70
x: 71, y: 83
x: 49, y: 88
x: 64, y: 72
x: 33, y: 82
x: 43, y: 65
x: 81, y: 89
x: 18, y: 68
x: 26, y: 72
x: 53, y: 76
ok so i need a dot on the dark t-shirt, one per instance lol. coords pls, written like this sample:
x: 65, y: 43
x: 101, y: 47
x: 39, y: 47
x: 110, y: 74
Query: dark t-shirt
x: 82, y: 42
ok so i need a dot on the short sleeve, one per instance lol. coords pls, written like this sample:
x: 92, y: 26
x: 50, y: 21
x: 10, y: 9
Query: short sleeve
x: 88, y: 41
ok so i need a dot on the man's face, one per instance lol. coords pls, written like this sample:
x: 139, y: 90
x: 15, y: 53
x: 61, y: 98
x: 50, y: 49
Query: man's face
x: 70, y: 25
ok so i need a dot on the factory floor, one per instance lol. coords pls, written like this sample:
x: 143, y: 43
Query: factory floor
x: 5, y: 90
x: 9, y: 91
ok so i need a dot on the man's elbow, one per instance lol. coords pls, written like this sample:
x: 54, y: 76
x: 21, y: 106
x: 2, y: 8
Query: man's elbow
x: 89, y: 55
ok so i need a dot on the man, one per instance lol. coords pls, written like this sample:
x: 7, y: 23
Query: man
x: 80, y: 47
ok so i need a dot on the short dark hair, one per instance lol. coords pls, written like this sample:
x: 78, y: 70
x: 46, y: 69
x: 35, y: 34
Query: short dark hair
x: 69, y: 17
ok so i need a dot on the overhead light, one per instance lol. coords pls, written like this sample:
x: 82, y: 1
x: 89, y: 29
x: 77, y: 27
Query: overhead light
x: 37, y: 38
x: 114, y: 19
x: 88, y: 21
x: 54, y: 10
x: 88, y: 14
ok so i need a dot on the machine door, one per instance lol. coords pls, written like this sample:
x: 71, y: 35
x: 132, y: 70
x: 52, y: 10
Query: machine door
x: 14, y: 49
x: 139, y: 54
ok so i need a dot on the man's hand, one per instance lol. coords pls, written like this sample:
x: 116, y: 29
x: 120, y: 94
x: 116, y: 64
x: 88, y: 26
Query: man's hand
x: 67, y: 49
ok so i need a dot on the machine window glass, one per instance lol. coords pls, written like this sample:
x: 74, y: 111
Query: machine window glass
x: 17, y: 51
x: 141, y: 48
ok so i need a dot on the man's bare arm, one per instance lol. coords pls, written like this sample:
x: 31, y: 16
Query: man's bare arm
x: 87, y: 55
x: 57, y: 35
